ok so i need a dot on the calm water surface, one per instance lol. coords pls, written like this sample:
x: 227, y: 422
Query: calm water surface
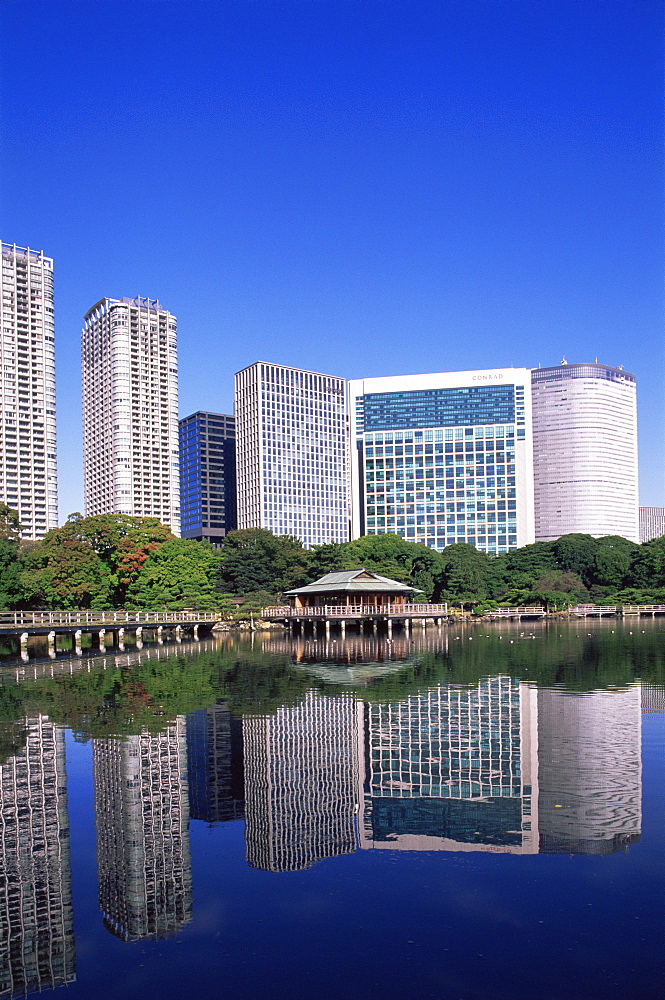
x: 474, y: 813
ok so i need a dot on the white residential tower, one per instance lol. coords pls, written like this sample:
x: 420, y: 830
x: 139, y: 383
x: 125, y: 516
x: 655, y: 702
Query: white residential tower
x: 28, y: 460
x: 130, y: 410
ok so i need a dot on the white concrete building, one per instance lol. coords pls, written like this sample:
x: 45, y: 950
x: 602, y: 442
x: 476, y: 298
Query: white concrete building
x: 443, y: 458
x: 28, y: 457
x: 585, y: 451
x: 130, y: 410
x: 291, y: 453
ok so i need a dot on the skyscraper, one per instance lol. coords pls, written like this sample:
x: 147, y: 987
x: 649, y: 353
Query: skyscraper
x: 28, y: 459
x: 652, y: 523
x: 443, y: 458
x: 207, y: 476
x: 130, y: 410
x: 585, y: 451
x: 291, y: 453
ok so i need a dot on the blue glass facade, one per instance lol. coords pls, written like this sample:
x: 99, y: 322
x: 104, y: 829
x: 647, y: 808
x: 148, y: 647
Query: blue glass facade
x: 472, y: 405
x: 440, y: 465
x: 207, y: 476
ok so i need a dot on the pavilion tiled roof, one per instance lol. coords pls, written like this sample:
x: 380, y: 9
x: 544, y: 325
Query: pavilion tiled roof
x: 353, y: 581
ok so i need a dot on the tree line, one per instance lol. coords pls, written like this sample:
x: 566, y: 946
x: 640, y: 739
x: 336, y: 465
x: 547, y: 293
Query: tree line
x: 117, y: 561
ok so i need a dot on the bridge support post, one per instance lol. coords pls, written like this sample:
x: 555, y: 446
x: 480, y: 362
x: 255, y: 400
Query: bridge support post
x: 160, y: 634
x: 327, y: 628
x: 139, y: 638
x: 77, y: 642
x: 178, y: 633
x: 102, y: 637
x: 374, y: 626
x: 407, y: 626
x: 195, y: 631
x: 390, y: 628
x: 343, y: 628
x: 24, y: 646
x: 121, y: 639
x: 51, y: 645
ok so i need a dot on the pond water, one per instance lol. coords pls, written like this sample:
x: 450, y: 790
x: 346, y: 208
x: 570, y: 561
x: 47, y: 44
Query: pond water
x: 471, y: 813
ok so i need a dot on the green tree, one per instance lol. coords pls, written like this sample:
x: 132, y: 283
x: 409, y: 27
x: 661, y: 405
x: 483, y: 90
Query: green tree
x: 123, y: 543
x: 180, y: 573
x: 647, y: 568
x: 10, y: 564
x: 557, y: 590
x: 465, y: 574
x: 576, y: 553
x: 255, y: 559
x: 613, y: 560
x: 64, y: 571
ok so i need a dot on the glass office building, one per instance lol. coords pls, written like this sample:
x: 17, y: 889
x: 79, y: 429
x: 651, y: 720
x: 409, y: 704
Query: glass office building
x: 207, y: 476
x: 444, y: 458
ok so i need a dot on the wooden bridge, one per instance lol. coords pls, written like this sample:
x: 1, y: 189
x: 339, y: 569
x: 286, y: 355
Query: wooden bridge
x: 24, y: 624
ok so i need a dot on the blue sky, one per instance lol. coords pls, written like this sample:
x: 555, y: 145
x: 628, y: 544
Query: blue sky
x: 359, y: 187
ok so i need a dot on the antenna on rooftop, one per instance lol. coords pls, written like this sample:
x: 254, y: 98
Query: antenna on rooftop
x: 563, y: 361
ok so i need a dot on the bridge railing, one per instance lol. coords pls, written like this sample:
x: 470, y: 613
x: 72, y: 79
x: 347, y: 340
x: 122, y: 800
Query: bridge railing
x: 35, y: 619
x: 514, y: 612
x: 358, y: 611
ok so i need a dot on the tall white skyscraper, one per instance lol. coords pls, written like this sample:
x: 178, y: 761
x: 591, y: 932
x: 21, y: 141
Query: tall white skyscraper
x: 28, y: 459
x: 585, y: 451
x: 291, y: 453
x: 443, y: 458
x: 130, y: 410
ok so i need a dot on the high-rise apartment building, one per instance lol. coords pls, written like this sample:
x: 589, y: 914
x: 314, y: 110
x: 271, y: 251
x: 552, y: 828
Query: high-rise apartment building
x: 652, y: 523
x: 443, y: 458
x: 585, y: 451
x: 291, y: 453
x: 28, y: 459
x: 130, y: 410
x: 207, y: 476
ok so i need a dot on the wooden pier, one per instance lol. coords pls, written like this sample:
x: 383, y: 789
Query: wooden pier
x: 100, y: 624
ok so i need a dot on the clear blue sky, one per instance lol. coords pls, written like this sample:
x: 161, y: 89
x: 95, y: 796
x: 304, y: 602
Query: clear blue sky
x: 359, y: 187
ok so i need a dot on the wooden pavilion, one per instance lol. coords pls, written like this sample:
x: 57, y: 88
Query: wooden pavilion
x: 351, y: 588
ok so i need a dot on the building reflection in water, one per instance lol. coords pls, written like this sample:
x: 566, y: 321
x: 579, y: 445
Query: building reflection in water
x: 452, y: 769
x: 36, y: 919
x: 215, y: 765
x: 590, y: 767
x: 300, y: 783
x: 142, y: 816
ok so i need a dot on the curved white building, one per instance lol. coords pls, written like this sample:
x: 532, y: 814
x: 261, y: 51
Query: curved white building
x: 585, y: 451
